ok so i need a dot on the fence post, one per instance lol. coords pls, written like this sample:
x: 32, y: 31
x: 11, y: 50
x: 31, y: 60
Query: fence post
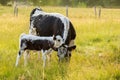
x: 15, y: 8
x: 67, y: 10
x: 99, y: 12
x: 95, y: 11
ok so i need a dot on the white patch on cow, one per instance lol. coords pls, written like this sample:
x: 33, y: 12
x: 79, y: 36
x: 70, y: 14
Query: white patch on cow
x: 71, y: 43
x: 59, y: 41
x: 33, y: 37
x: 66, y: 28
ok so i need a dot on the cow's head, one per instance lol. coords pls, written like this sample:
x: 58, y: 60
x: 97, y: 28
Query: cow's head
x: 64, y: 52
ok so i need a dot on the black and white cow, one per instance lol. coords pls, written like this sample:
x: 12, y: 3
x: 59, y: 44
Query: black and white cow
x: 31, y: 42
x: 57, y: 25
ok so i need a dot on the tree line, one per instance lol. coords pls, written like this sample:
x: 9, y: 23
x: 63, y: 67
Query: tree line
x: 73, y: 3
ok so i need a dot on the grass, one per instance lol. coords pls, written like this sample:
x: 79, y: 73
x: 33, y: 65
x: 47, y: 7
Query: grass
x: 97, y: 56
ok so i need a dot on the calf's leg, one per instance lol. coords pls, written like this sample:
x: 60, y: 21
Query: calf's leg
x: 44, y: 58
x: 26, y: 56
x: 18, y: 56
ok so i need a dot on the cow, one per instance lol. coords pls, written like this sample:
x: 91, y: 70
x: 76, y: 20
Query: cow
x: 57, y: 25
x: 31, y: 42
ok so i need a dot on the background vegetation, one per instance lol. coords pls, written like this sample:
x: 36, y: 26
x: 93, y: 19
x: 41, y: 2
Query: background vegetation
x: 97, y: 56
x: 73, y: 3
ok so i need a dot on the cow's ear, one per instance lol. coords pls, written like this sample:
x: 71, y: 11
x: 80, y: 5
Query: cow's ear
x: 71, y: 48
x: 54, y: 38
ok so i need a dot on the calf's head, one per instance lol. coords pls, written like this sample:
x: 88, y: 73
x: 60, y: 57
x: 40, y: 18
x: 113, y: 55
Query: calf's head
x: 58, y: 41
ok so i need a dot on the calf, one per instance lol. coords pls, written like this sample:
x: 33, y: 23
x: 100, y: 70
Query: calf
x: 31, y: 42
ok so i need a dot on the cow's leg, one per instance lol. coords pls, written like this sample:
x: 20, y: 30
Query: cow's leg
x: 18, y: 56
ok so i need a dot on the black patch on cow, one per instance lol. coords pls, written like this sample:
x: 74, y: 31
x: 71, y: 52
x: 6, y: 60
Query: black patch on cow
x: 48, y: 25
x: 37, y: 44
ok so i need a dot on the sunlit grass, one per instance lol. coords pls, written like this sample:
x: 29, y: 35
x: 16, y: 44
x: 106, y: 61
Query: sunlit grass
x: 97, y: 56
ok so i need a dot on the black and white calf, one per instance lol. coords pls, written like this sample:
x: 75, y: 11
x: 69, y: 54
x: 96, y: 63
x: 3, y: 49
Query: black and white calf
x: 57, y: 25
x: 32, y: 42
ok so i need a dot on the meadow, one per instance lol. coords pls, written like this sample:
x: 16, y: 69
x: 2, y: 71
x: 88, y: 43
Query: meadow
x: 97, y: 56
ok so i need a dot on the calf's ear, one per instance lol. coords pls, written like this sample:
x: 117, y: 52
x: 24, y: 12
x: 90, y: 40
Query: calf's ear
x: 54, y: 38
x: 71, y: 48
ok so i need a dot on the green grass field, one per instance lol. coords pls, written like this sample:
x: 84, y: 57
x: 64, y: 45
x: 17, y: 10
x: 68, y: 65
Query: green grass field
x: 97, y: 56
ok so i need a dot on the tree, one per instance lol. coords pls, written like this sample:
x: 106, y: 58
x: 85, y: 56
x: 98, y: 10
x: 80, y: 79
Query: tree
x: 4, y: 2
x: 89, y: 3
